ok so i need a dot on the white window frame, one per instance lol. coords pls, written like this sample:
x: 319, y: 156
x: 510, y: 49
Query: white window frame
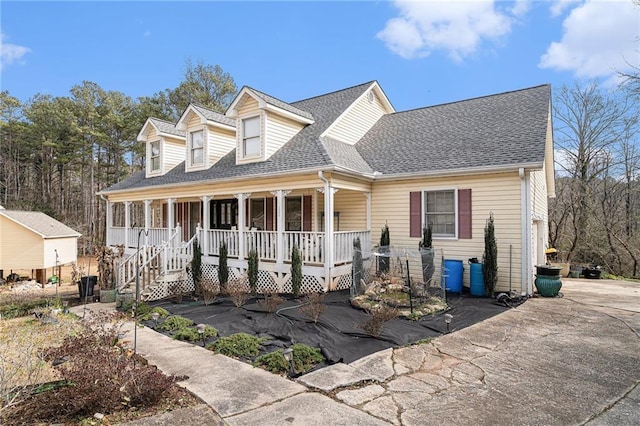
x: 242, y: 141
x: 192, y: 149
x: 158, y: 169
x: 423, y: 211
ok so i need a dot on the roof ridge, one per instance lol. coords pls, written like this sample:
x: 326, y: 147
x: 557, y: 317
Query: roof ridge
x: 336, y: 91
x: 163, y: 120
x: 474, y: 99
x: 204, y: 107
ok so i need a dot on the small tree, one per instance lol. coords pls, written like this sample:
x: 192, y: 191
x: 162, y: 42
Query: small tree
x: 490, y: 257
x: 196, y: 267
x: 426, y: 252
x: 385, y: 241
x: 296, y: 271
x: 223, y: 269
x: 252, y: 270
x: 427, y: 237
x: 358, y: 268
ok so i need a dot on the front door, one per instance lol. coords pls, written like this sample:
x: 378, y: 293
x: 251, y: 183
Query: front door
x: 224, y: 214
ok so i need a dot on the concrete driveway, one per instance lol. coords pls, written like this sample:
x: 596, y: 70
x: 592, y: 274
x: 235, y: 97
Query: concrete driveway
x: 552, y: 361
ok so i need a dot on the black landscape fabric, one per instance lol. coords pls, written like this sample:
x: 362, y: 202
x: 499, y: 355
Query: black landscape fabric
x: 338, y: 332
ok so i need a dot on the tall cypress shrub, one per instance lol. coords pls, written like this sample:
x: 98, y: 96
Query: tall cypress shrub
x: 296, y: 271
x: 223, y: 269
x: 358, y: 269
x: 196, y: 267
x: 490, y: 257
x: 385, y: 241
x: 252, y: 270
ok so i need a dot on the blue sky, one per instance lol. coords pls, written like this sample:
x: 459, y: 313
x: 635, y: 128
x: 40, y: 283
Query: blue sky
x: 422, y: 53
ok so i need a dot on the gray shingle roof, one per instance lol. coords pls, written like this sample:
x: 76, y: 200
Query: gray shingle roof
x: 166, y: 127
x: 215, y: 116
x: 40, y: 223
x: 303, y: 151
x: 492, y: 131
x: 280, y: 104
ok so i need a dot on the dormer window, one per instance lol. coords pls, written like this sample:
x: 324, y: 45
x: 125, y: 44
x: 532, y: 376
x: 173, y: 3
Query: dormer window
x: 154, y: 157
x: 251, y: 137
x: 196, y: 148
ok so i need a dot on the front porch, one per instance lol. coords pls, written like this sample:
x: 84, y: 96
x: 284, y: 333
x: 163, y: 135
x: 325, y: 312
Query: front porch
x: 270, y: 222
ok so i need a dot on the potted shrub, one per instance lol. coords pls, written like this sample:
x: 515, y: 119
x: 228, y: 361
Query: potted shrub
x: 426, y: 252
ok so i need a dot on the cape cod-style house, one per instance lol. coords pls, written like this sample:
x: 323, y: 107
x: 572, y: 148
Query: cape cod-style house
x: 319, y: 172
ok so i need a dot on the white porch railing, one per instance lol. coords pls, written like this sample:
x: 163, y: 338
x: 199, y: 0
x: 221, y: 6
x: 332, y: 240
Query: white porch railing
x: 310, y: 244
x: 343, y: 245
x: 264, y: 242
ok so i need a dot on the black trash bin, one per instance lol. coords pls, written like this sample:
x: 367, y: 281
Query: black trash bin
x: 86, y: 284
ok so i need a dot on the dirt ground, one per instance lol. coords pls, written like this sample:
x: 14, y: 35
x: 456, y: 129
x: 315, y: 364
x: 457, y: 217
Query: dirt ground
x: 89, y: 265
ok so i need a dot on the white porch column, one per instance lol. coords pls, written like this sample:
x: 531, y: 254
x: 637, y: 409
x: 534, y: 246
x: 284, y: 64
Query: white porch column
x: 170, y: 218
x: 204, y: 244
x: 147, y: 219
x: 109, y: 212
x: 280, y: 194
x: 367, y: 196
x: 127, y: 222
x: 329, y: 192
x: 241, y: 222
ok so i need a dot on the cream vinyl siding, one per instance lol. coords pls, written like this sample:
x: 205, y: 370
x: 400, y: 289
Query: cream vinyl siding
x: 353, y: 210
x: 194, y: 122
x: 172, y: 153
x: 278, y: 131
x: 20, y: 248
x: 539, y: 195
x: 352, y: 126
x: 497, y: 193
x: 67, y: 251
x: 219, y: 143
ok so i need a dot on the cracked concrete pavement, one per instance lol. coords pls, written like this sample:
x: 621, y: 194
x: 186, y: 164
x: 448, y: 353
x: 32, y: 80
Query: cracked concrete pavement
x: 551, y: 361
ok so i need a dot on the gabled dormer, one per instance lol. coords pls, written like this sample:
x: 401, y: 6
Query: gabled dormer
x: 360, y: 116
x: 264, y: 124
x: 209, y: 136
x: 164, y: 146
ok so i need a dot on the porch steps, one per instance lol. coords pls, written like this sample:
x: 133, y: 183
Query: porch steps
x: 171, y: 282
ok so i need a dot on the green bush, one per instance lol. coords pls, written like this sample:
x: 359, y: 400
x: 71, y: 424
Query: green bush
x: 175, y: 322
x: 252, y: 270
x: 274, y: 362
x: 305, y: 357
x: 162, y: 311
x: 296, y: 271
x: 223, y: 268
x: 239, y: 345
x: 190, y: 334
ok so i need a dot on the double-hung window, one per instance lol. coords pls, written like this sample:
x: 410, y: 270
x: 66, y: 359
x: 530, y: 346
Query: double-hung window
x: 251, y: 137
x: 440, y: 212
x: 197, y: 148
x: 154, y: 157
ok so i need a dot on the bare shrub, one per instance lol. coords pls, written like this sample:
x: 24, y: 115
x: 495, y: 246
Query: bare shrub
x: 106, y: 377
x: 210, y: 291
x: 238, y: 290
x: 313, y: 306
x: 271, y: 302
x: 177, y: 289
x: 378, y: 317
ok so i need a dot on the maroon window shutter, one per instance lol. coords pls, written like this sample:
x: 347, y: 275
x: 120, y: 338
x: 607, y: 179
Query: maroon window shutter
x: 164, y: 215
x: 269, y: 215
x: 415, y: 214
x: 306, y: 213
x: 464, y: 213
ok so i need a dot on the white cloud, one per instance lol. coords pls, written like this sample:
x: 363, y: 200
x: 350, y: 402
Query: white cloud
x: 559, y: 6
x: 10, y: 53
x: 599, y: 38
x: 455, y: 27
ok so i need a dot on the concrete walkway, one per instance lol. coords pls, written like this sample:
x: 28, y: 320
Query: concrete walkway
x: 552, y: 361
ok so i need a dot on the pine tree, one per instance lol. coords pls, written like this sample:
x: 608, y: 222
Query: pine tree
x: 490, y: 257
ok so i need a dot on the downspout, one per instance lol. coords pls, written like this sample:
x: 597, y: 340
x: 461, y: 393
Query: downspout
x: 525, y: 214
x: 328, y: 230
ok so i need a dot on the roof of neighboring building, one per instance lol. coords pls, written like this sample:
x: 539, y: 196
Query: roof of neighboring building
x: 212, y: 115
x: 497, y: 130
x: 40, y: 223
x: 166, y: 127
